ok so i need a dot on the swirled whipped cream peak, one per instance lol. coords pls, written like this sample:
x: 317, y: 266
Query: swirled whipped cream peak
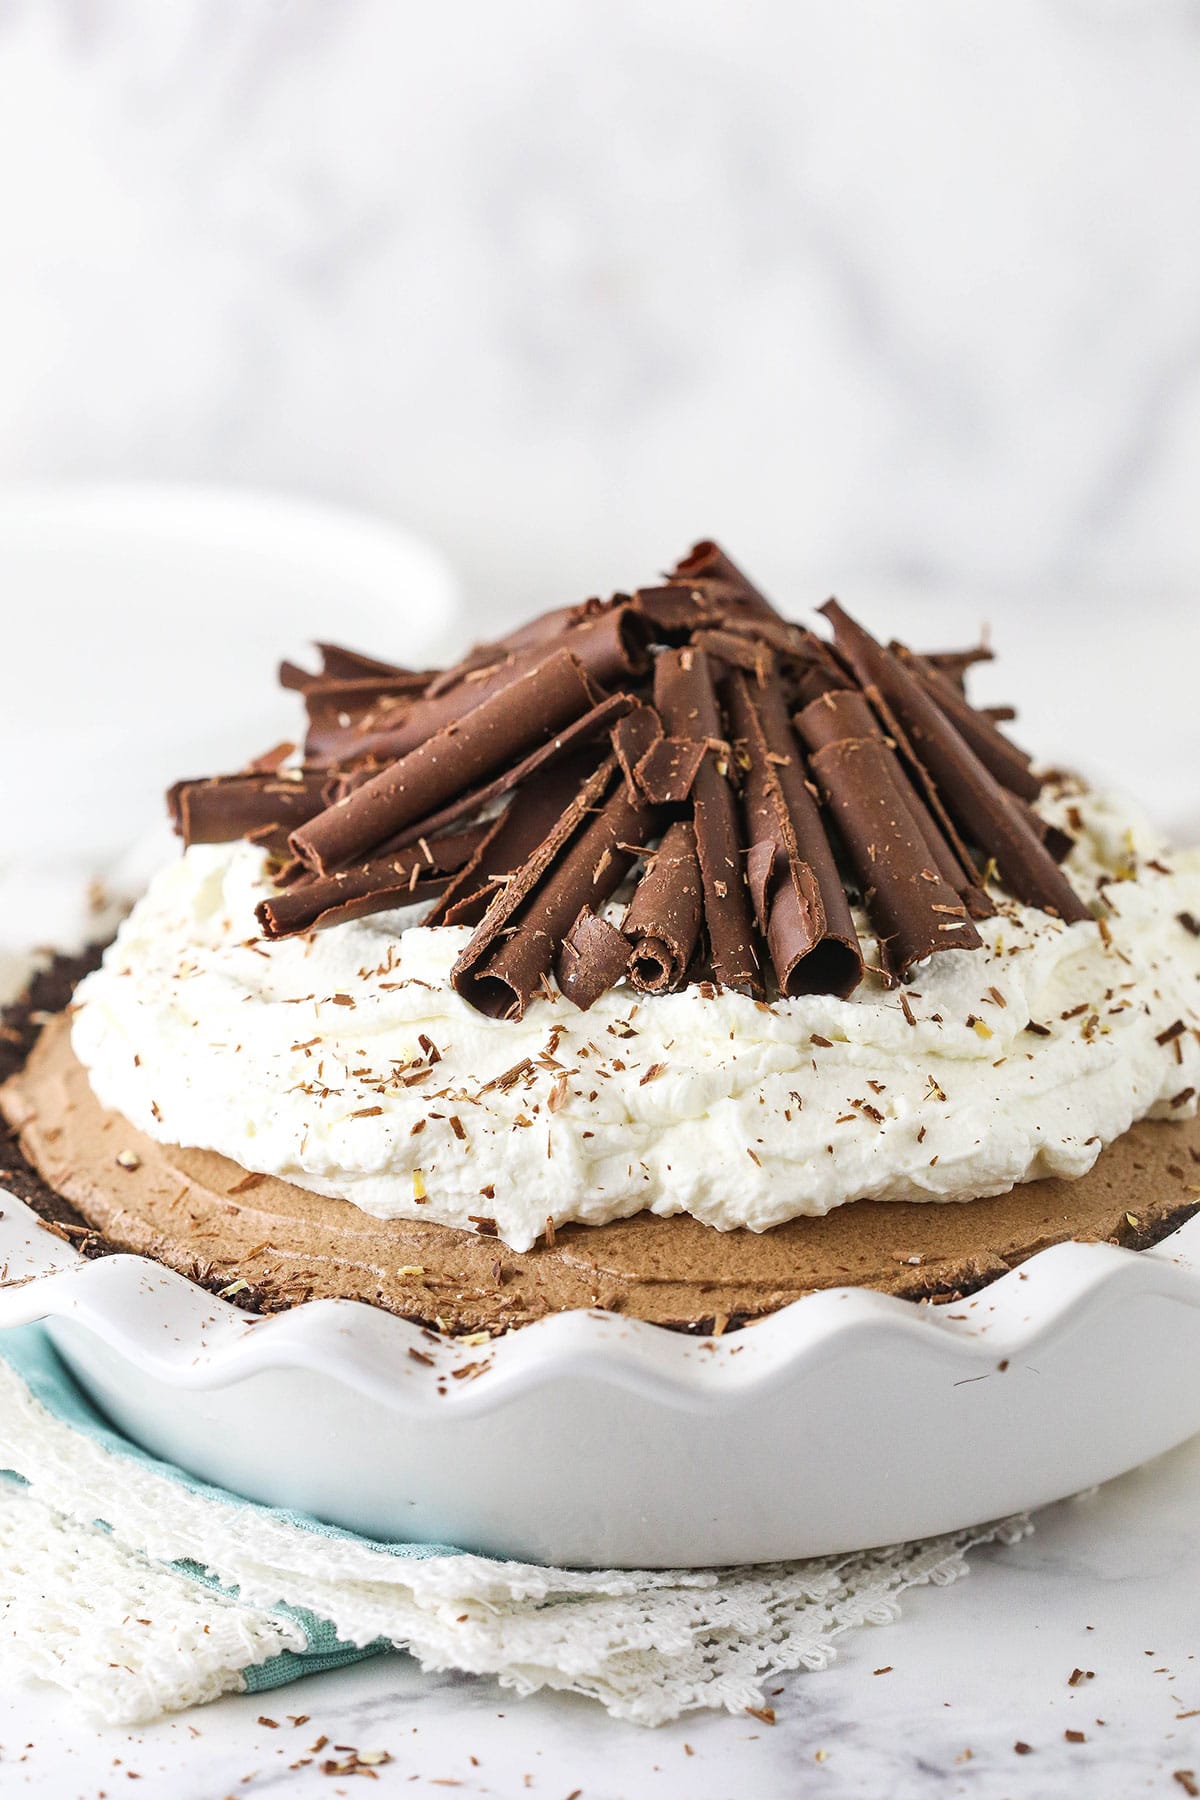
x: 662, y: 902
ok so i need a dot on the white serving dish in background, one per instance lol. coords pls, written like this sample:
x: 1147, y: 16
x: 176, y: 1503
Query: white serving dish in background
x: 848, y: 1419
x: 144, y: 621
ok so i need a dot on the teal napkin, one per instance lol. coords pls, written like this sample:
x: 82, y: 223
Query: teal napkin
x: 30, y: 1354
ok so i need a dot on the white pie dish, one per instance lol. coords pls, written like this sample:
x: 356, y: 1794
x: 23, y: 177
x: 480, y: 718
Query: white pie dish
x: 846, y: 1420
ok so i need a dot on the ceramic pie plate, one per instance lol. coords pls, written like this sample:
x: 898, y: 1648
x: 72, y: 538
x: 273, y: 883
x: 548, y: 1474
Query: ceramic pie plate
x: 847, y: 1419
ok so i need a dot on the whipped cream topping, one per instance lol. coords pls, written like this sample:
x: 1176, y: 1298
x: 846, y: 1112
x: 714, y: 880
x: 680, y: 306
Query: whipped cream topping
x: 345, y: 1062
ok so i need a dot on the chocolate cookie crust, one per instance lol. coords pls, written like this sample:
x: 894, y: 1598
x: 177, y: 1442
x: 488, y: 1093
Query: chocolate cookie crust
x: 273, y: 1245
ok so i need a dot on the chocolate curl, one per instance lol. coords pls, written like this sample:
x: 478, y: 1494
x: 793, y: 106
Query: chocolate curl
x: 592, y: 957
x: 822, y: 674
x: 633, y: 738
x: 388, y: 724
x: 512, y: 837
x: 1059, y: 843
x: 849, y: 713
x: 377, y: 886
x: 1007, y: 763
x: 347, y: 715
x: 656, y: 768
x: 513, y: 895
x: 490, y: 655
x: 664, y: 917
x: 608, y: 636
x: 447, y: 764
x: 562, y: 745
x: 220, y: 808
x: 792, y: 641
x: 274, y: 840
x: 717, y: 577
x: 970, y: 791
x: 915, y: 912
x: 340, y: 664
x: 708, y: 591
x: 271, y: 761
x: 950, y: 853
x: 290, y: 675
x: 580, y: 864
x: 954, y: 664
x: 737, y: 650
x: 667, y: 773
x: 685, y: 698
x: 540, y: 630
x: 798, y: 896
x: 673, y: 613
x: 609, y: 645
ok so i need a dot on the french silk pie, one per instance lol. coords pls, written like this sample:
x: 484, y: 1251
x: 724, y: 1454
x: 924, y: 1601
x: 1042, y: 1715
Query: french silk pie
x: 665, y: 956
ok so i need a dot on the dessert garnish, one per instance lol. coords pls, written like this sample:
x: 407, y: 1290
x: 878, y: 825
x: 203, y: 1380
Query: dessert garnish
x: 743, y: 778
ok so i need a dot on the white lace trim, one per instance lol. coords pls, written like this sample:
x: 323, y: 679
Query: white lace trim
x: 94, y: 1608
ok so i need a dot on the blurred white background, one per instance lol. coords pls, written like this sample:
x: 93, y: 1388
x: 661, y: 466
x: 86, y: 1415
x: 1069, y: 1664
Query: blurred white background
x: 885, y: 297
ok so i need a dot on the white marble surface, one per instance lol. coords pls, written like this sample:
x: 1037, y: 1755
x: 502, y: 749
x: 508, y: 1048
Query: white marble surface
x: 872, y: 292
x: 974, y: 1669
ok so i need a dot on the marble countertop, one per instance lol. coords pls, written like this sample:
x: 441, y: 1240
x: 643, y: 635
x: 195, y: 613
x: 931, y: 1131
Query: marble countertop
x: 933, y: 1704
